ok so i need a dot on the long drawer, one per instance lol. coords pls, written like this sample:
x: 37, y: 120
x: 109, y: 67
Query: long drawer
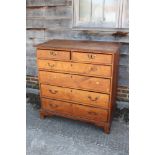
x: 81, y: 111
x: 75, y: 81
x: 95, y: 114
x: 56, y: 106
x: 79, y: 68
x: 78, y: 96
x: 92, y: 58
x: 53, y: 54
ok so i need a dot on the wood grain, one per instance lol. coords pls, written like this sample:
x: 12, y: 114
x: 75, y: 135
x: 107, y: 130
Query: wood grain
x: 91, y: 113
x: 82, y: 97
x: 75, y: 68
x: 79, y: 84
x: 53, y: 54
x: 92, y: 58
x: 48, y: 3
x: 81, y: 45
x: 58, y: 106
x: 75, y: 81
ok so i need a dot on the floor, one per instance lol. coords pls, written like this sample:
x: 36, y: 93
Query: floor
x: 61, y: 136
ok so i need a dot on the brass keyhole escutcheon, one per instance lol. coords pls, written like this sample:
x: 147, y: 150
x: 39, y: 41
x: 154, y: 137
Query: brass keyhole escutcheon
x: 51, y: 65
x: 53, y: 91
x: 95, y: 99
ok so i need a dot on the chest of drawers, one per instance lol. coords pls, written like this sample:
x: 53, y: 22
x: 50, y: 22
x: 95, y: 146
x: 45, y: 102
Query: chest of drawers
x: 78, y: 79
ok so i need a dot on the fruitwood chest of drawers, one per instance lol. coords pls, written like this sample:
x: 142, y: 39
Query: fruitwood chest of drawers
x: 78, y: 79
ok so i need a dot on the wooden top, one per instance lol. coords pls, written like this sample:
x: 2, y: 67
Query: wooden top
x: 80, y: 45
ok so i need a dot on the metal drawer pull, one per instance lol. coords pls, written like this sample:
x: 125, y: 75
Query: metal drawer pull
x: 95, y: 99
x: 92, y: 113
x: 53, y: 53
x: 91, y: 56
x: 51, y: 65
x: 53, y: 105
x: 53, y: 91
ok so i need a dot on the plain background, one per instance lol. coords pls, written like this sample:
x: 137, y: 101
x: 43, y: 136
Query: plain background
x: 13, y: 77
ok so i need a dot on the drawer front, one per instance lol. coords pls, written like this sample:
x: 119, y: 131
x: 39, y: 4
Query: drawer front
x: 83, y: 97
x: 95, y: 114
x: 75, y: 81
x: 53, y: 54
x: 56, y: 106
x: 86, y: 69
x: 92, y: 58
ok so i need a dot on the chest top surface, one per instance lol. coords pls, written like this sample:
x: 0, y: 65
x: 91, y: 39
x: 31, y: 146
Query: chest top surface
x: 80, y: 45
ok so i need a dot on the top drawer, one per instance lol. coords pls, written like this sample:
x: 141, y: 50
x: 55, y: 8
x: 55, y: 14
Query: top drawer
x: 53, y: 54
x: 92, y: 58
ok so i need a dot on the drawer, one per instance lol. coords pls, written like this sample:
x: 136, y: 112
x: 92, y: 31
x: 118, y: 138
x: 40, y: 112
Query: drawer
x: 75, y: 81
x: 92, y: 58
x: 95, y: 114
x: 56, y: 106
x: 78, y: 96
x: 78, y: 68
x: 53, y: 54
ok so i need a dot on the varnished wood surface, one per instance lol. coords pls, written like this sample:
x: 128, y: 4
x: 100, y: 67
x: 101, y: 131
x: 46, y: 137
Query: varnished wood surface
x: 53, y: 54
x: 75, y: 81
x: 95, y: 114
x: 57, y: 106
x: 92, y: 58
x: 76, y: 68
x: 78, y: 79
x: 80, y: 96
x: 86, y: 46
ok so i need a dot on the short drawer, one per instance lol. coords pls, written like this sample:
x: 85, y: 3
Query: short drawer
x: 78, y: 68
x: 56, y: 106
x: 78, y: 96
x: 75, y: 81
x: 92, y: 58
x: 95, y: 114
x: 53, y: 54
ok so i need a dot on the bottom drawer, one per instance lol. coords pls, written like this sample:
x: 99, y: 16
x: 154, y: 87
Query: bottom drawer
x: 56, y: 106
x: 94, y: 114
x: 75, y: 110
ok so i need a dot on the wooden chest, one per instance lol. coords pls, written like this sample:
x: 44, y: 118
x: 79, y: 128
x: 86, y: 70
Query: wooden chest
x: 78, y: 79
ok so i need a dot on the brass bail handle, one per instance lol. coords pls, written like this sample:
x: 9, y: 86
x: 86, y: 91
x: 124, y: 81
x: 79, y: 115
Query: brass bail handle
x: 53, y: 53
x: 91, y: 56
x: 51, y: 65
x: 95, y: 99
x: 53, y: 91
